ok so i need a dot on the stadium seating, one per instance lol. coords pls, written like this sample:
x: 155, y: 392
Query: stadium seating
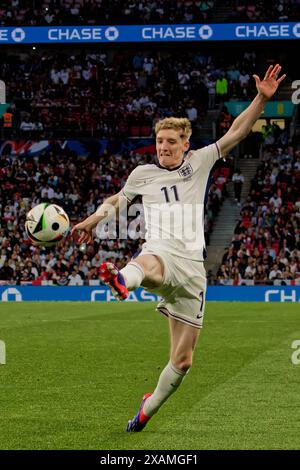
x: 266, y: 243
x: 47, y: 12
x: 95, y: 95
x: 65, y: 178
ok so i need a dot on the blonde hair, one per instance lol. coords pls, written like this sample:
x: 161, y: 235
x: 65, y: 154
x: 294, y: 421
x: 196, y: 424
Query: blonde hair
x: 182, y: 125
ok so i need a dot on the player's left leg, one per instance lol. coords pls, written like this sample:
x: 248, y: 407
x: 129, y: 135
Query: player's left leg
x: 183, y: 341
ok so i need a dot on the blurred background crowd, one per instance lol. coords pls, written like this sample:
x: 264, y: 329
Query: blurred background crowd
x: 113, y: 93
x: 82, y: 12
x: 79, y: 185
x: 93, y: 93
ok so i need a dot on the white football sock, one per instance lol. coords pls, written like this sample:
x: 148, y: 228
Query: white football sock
x: 133, y: 275
x: 168, y: 382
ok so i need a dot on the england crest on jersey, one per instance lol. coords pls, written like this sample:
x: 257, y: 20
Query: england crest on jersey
x: 186, y: 171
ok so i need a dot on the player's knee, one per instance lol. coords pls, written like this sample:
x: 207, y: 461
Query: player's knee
x: 152, y: 268
x: 183, y: 362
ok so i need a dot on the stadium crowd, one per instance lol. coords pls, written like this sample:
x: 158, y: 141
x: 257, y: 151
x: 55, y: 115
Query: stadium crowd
x: 54, y: 94
x: 268, y: 11
x: 93, y: 12
x: 107, y: 94
x: 266, y: 242
x: 79, y: 185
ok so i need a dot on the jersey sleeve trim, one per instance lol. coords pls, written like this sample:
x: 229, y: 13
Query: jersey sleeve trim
x: 219, y: 151
x: 126, y: 197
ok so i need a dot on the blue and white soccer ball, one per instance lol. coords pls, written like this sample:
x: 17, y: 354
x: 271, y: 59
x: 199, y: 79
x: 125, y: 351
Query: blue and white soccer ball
x: 46, y: 224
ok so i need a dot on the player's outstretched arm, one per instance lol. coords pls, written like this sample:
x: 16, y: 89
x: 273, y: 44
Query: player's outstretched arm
x: 82, y: 232
x: 242, y: 125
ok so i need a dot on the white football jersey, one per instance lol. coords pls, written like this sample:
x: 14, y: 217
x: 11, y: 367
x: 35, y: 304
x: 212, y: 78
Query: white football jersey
x: 173, y: 202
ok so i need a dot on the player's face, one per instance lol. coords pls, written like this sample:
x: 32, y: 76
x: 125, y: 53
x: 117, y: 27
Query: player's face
x: 170, y: 148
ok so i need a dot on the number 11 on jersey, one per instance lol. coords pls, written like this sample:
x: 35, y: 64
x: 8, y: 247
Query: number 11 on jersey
x: 166, y: 193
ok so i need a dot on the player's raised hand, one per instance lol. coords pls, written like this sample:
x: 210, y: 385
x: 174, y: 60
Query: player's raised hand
x: 268, y: 86
x: 82, y: 233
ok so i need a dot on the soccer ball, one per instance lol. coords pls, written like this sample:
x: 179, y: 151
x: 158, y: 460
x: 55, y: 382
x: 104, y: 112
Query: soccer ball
x: 46, y: 224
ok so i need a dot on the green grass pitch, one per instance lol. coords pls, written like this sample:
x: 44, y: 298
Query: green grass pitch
x: 75, y: 372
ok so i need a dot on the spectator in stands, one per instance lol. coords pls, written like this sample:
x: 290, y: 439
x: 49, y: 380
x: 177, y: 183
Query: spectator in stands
x: 275, y: 273
x: 251, y: 269
x: 223, y: 274
x: 74, y: 279
x: 191, y: 112
x: 244, y: 81
x: 211, y: 87
x: 26, y: 125
x: 238, y: 181
x: 287, y: 273
x: 6, y: 272
x: 221, y: 88
x: 261, y: 276
x: 225, y: 120
x: 96, y: 261
x: 295, y: 266
x: 7, y: 121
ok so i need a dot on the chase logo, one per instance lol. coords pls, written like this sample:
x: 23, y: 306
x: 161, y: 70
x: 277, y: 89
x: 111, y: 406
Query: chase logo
x: 111, y: 33
x: 296, y: 30
x: 11, y: 294
x: 205, y: 32
x: 18, y: 34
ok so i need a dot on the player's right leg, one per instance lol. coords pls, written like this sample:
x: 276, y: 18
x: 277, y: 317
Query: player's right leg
x: 146, y: 269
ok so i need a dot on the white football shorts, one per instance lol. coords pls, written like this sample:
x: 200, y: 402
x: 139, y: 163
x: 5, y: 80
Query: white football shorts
x: 183, y: 288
